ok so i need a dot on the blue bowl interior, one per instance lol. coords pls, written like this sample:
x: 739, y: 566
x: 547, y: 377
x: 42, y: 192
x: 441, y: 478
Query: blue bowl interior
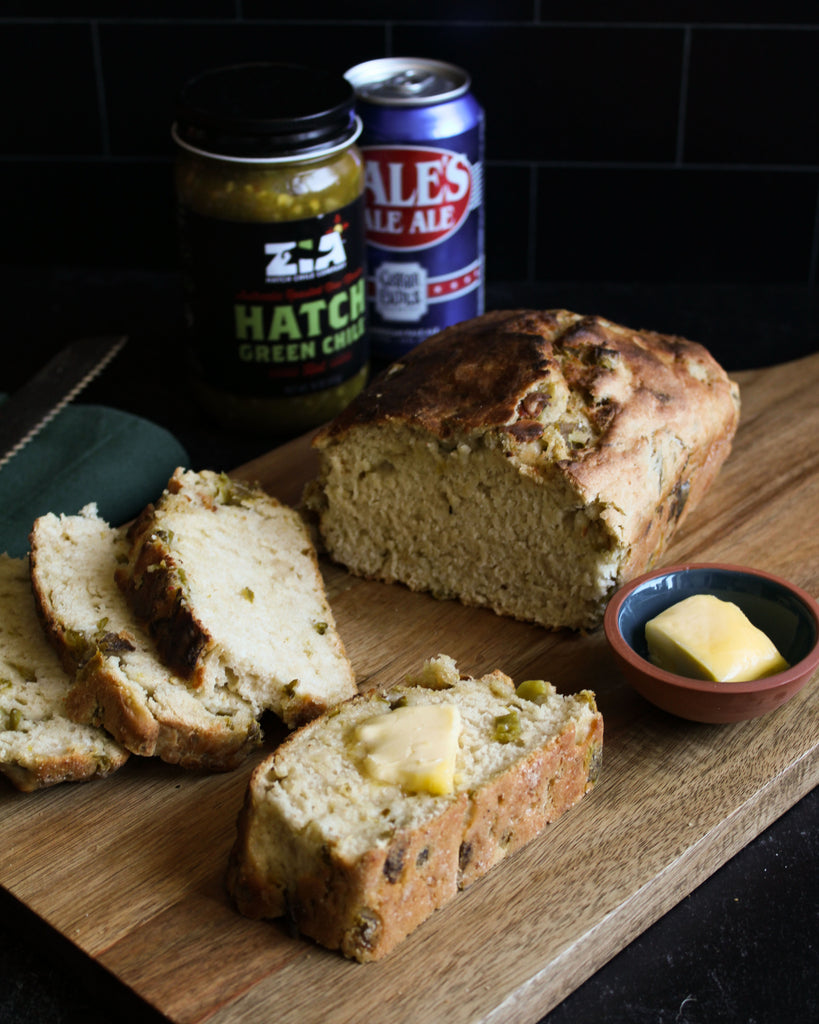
x: 770, y: 606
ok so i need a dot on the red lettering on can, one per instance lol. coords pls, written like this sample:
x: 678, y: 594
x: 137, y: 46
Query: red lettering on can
x: 414, y: 196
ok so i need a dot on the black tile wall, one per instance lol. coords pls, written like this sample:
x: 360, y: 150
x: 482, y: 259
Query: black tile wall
x: 553, y: 93
x: 119, y: 9
x: 749, y: 97
x: 116, y: 215
x: 140, y: 118
x: 745, y: 12
x: 53, y: 113
x: 640, y: 141
x: 673, y: 225
x: 462, y: 11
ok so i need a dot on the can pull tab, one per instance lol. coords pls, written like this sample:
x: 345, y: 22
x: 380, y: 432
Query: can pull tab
x: 412, y: 83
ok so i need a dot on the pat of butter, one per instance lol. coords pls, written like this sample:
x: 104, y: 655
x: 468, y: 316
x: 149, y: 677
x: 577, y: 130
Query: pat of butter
x: 414, y: 746
x: 703, y: 637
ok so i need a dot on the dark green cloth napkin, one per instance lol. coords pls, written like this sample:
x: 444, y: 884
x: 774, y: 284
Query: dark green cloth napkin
x: 86, y: 453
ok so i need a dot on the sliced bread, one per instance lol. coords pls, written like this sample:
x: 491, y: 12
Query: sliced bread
x: 227, y: 579
x: 39, y: 744
x: 356, y: 858
x: 120, y: 681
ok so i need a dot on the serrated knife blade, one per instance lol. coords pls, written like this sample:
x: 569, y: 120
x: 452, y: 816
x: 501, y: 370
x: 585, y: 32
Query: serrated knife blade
x: 24, y: 414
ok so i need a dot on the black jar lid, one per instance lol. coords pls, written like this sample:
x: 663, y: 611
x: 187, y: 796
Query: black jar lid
x: 266, y: 111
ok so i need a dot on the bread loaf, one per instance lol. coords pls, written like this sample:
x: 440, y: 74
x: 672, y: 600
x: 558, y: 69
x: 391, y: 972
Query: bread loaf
x: 528, y: 462
x: 227, y: 580
x: 356, y: 861
x: 39, y: 744
x: 120, y: 683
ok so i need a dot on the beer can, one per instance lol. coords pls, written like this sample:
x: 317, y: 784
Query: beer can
x: 423, y: 146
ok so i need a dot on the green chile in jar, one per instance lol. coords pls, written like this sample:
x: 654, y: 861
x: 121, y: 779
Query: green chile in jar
x: 270, y: 206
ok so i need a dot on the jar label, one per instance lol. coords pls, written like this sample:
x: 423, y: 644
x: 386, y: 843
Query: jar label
x: 276, y: 309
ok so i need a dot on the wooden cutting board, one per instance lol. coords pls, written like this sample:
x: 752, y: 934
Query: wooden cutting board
x: 131, y: 868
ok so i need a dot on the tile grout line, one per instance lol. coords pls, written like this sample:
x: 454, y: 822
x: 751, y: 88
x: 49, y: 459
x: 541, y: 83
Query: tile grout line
x: 531, y: 255
x: 682, y: 110
x: 102, y: 105
x: 813, y: 261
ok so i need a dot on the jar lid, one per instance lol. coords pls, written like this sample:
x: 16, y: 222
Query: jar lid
x: 265, y: 111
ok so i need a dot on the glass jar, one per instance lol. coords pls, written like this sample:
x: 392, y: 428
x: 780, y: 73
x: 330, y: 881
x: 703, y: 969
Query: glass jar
x: 269, y: 186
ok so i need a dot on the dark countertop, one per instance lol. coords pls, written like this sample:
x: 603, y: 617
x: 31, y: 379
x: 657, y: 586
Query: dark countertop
x: 742, y: 947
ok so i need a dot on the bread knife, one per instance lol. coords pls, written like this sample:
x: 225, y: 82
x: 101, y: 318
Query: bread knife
x: 27, y: 411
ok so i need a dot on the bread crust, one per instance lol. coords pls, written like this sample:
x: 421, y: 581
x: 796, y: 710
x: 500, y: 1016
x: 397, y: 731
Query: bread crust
x: 649, y: 420
x: 155, y: 592
x: 98, y: 697
x: 105, y: 688
x: 517, y: 806
x: 40, y: 745
x: 160, y: 585
x: 365, y: 904
x: 362, y: 907
x: 50, y: 770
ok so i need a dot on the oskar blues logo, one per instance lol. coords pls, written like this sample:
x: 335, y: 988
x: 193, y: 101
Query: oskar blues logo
x: 415, y: 196
x: 307, y: 258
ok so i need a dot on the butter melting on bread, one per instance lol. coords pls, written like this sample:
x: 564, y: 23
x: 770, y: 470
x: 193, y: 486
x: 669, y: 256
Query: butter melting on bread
x: 357, y: 832
x: 528, y: 462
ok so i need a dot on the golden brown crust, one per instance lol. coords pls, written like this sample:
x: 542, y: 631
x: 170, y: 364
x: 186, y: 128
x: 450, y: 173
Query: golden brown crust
x: 40, y: 745
x: 154, y: 582
x: 469, y: 377
x: 393, y: 889
x: 364, y: 908
x: 98, y: 698
x: 154, y: 589
x: 54, y: 770
x: 367, y: 905
x: 117, y: 684
x: 483, y: 373
x: 656, y: 414
x: 518, y: 805
x: 287, y: 657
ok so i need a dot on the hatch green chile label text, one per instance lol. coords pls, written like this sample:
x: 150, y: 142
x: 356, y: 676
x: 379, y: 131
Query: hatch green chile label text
x: 276, y: 309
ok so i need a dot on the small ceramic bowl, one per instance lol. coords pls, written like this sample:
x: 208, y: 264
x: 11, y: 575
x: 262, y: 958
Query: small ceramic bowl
x: 787, y: 614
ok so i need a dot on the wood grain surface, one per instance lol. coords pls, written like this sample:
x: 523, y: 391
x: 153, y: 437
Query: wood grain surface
x: 131, y: 868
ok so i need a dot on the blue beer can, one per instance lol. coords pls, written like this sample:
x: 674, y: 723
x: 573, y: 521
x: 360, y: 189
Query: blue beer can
x: 423, y: 146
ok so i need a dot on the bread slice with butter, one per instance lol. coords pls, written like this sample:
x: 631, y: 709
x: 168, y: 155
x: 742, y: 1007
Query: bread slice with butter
x: 40, y: 745
x: 529, y: 462
x: 227, y: 580
x: 119, y: 681
x: 361, y: 823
